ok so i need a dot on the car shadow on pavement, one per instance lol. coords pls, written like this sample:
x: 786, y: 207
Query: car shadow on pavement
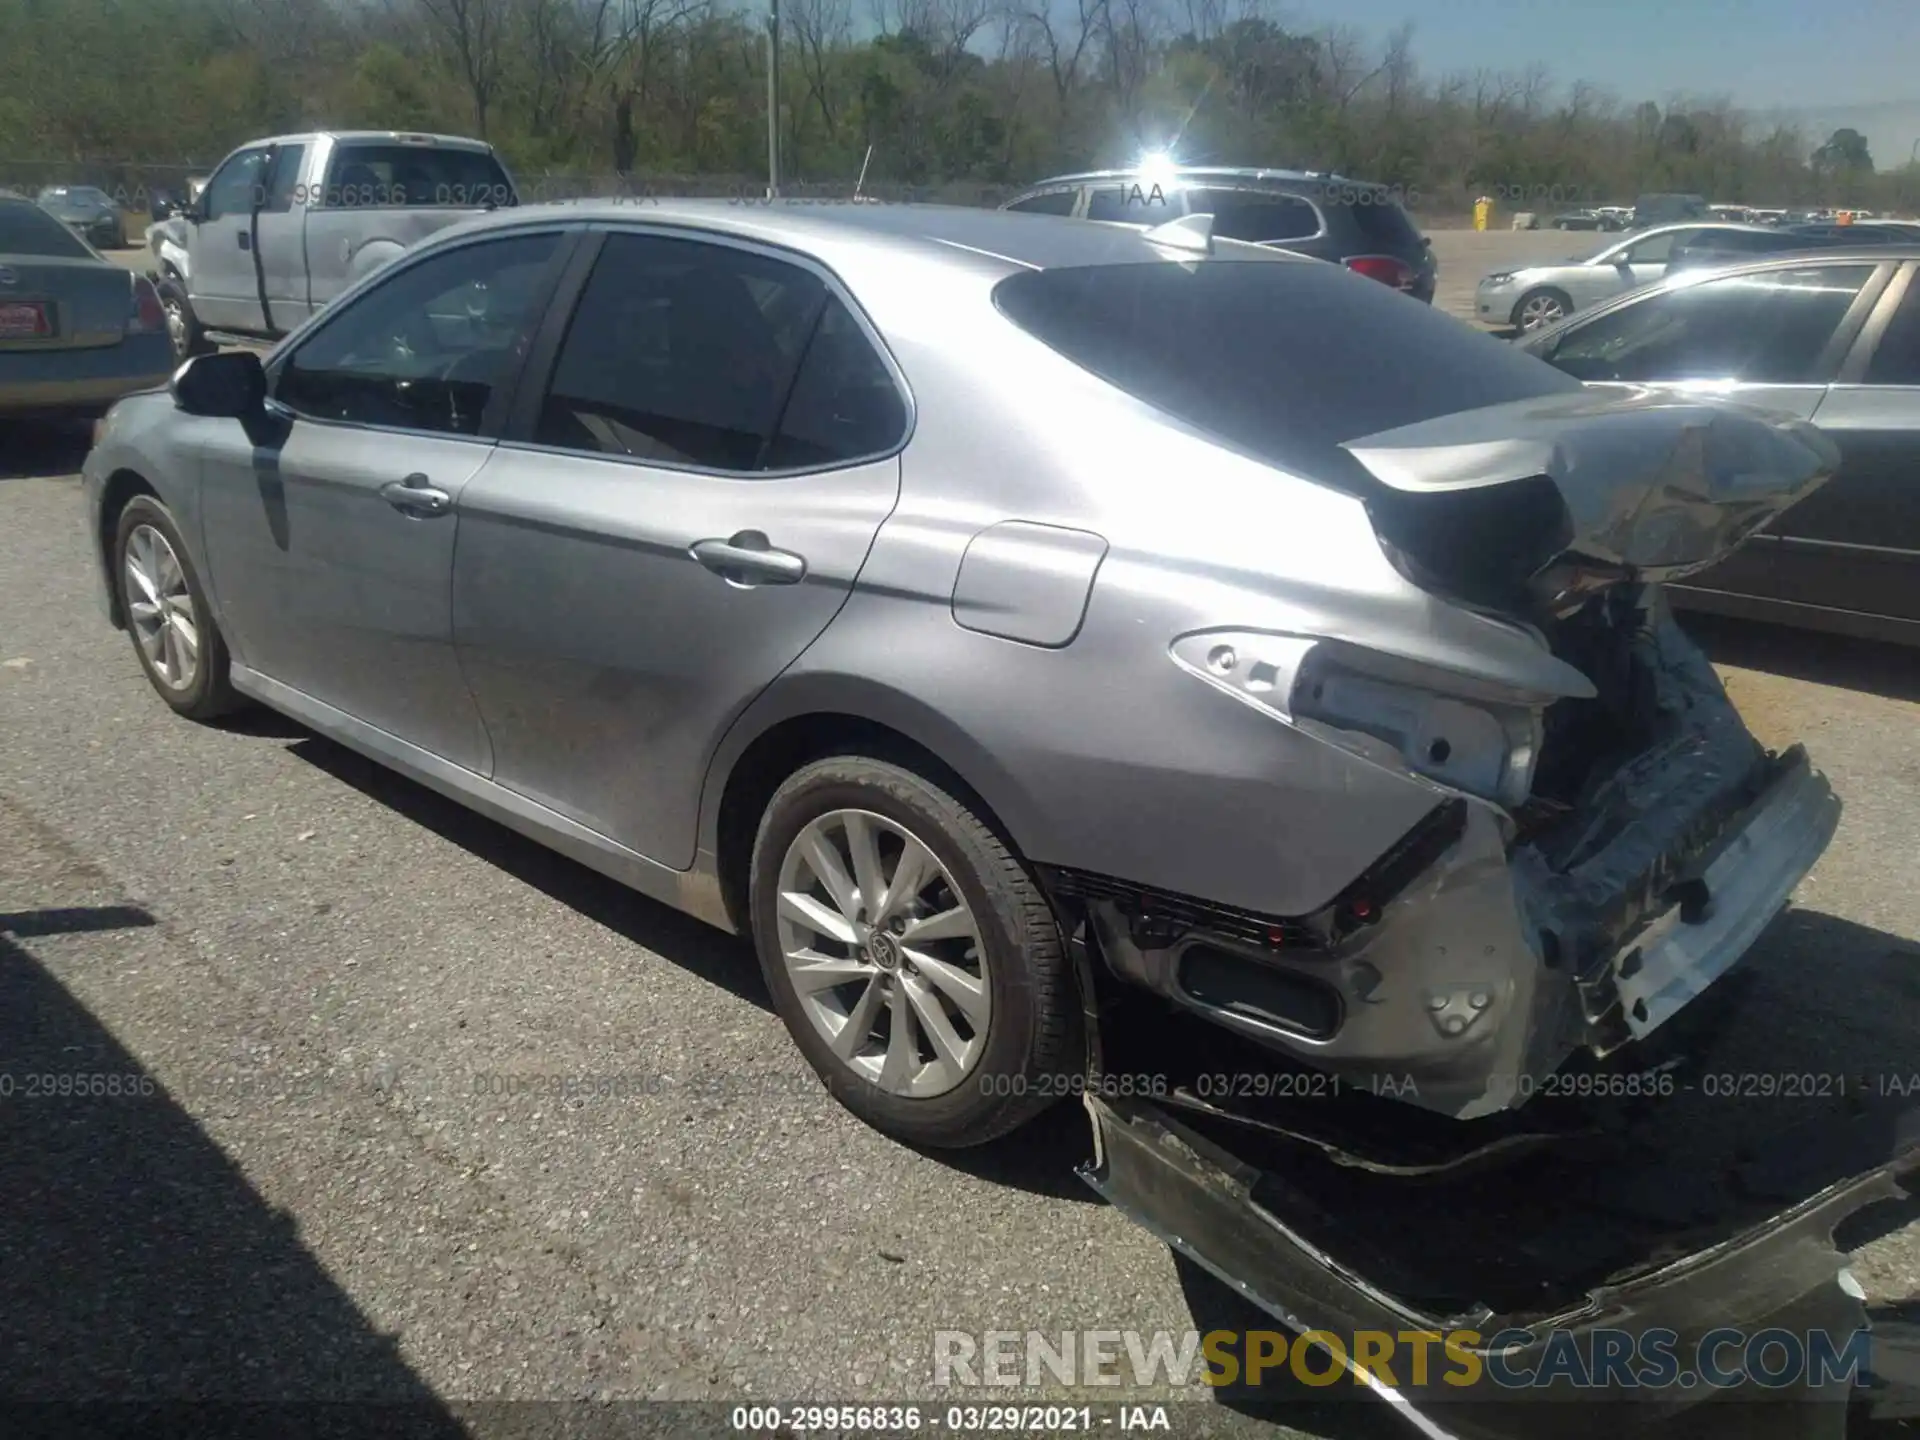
x: 145, y: 1279
x: 35, y: 449
x: 1875, y: 666
x: 1040, y: 1157
x: 721, y: 959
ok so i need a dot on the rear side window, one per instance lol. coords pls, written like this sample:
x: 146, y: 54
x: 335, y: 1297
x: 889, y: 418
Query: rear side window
x: 1256, y: 217
x: 844, y: 405
x: 685, y: 353
x: 415, y: 177
x: 1896, y: 361
x: 1049, y: 202
x: 27, y: 230
x: 1284, y: 360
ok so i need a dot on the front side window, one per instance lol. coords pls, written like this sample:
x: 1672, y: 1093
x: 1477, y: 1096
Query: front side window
x: 687, y: 353
x: 1255, y: 217
x: 1768, y: 329
x: 232, y: 189
x: 1656, y: 249
x: 426, y: 348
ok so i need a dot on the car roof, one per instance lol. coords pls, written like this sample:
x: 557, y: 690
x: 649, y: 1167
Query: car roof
x: 424, y: 137
x: 957, y: 235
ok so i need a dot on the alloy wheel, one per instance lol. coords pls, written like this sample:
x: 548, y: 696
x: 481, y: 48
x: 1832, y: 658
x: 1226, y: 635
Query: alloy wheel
x: 160, y: 608
x: 1541, y: 310
x: 884, y: 954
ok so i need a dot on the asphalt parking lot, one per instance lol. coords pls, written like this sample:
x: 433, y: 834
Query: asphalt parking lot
x: 332, y: 979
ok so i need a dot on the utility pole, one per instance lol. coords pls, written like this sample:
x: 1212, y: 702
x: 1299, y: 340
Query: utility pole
x: 773, y: 100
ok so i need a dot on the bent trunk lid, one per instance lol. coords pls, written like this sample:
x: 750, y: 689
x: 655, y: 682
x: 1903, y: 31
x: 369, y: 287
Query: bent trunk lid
x: 1534, y: 504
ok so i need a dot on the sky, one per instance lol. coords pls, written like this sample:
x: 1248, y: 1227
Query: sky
x: 1819, y: 63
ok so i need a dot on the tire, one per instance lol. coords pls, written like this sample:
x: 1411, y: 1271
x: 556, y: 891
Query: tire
x: 183, y: 329
x: 1030, y: 1047
x: 1554, y: 305
x: 204, y: 689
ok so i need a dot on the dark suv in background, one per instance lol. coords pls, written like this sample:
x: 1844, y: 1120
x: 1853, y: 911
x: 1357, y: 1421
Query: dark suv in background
x: 1356, y: 223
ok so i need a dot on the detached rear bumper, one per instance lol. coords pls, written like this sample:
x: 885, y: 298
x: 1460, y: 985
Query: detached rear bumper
x: 1270, y: 1226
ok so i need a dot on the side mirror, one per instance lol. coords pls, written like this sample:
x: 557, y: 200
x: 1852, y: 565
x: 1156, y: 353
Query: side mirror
x: 228, y: 385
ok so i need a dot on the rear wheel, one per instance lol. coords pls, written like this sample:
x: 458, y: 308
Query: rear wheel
x: 910, y: 954
x: 173, y: 633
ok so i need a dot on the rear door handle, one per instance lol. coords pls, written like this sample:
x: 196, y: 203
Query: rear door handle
x: 415, y: 496
x: 747, y: 558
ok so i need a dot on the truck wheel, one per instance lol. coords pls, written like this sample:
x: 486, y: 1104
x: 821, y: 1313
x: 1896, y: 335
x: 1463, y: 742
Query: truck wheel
x: 182, y: 329
x: 913, y: 959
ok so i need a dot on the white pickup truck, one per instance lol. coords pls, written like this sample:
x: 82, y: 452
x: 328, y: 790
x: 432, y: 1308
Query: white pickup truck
x: 286, y: 224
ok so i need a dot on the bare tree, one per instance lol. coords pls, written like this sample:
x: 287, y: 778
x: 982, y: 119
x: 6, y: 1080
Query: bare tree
x: 473, y: 32
x: 821, y: 30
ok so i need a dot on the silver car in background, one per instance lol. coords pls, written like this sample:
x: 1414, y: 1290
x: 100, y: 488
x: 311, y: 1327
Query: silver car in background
x: 1541, y: 295
x: 980, y: 610
x: 76, y: 331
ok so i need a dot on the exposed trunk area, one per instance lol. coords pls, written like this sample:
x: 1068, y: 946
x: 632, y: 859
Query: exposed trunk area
x: 1636, y: 785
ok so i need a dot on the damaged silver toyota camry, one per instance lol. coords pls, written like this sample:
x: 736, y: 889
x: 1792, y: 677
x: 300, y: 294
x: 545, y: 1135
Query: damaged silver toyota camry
x: 959, y: 603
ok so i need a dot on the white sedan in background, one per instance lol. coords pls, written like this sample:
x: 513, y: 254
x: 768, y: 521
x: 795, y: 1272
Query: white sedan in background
x: 1546, y: 294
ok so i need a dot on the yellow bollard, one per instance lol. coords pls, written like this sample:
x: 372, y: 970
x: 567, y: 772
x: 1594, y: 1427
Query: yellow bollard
x: 1482, y: 212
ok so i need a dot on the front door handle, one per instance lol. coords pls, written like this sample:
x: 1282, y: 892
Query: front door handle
x: 246, y: 240
x: 747, y: 558
x: 415, y: 496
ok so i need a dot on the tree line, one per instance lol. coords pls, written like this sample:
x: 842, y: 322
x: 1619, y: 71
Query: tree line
x: 932, y: 94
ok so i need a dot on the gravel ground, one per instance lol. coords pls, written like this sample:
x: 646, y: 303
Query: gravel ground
x: 327, y: 968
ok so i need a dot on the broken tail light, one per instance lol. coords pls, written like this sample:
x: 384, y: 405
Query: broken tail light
x: 146, y: 315
x: 1387, y: 269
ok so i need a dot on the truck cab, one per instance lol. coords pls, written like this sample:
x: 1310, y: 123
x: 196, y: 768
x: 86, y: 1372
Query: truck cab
x: 285, y: 224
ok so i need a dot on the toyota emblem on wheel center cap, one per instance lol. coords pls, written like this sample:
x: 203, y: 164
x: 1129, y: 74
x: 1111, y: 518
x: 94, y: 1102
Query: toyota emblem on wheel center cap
x: 882, y: 951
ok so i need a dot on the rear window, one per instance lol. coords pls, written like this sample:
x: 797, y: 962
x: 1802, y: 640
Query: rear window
x: 1284, y: 361
x: 415, y: 177
x: 1382, y: 221
x: 28, y: 230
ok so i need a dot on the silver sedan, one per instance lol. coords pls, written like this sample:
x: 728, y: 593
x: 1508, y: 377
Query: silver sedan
x: 77, y: 332
x: 1546, y: 294
x: 986, y: 612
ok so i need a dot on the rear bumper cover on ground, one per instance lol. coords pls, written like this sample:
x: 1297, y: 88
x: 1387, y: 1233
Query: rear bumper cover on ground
x: 1245, y: 1225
